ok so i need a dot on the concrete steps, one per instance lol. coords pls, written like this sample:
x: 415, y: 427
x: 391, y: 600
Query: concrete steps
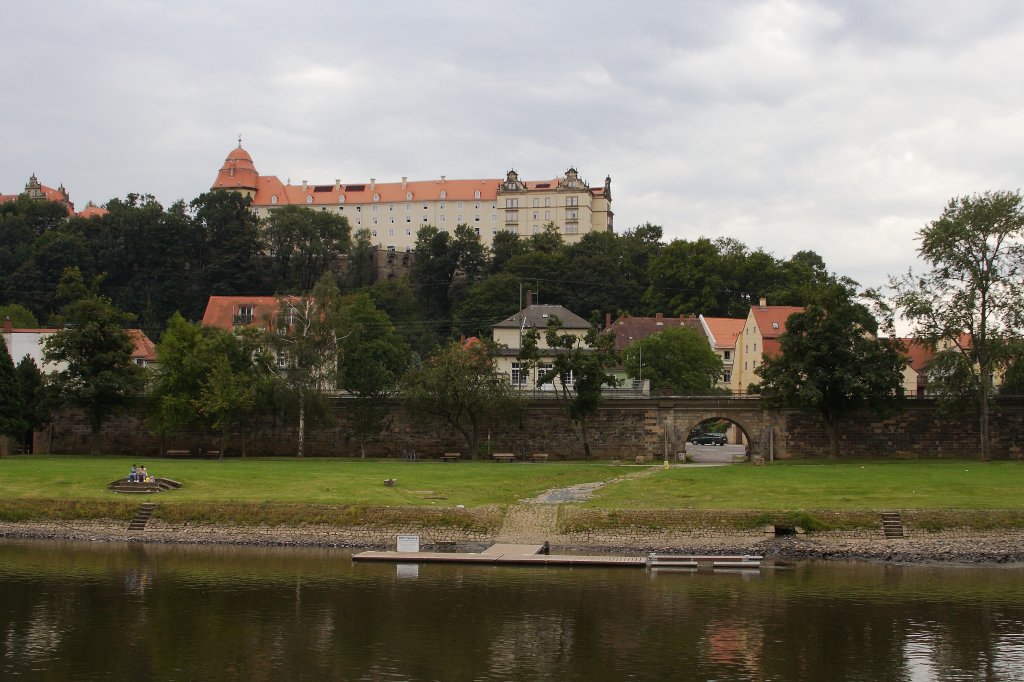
x: 142, y: 517
x: 892, y: 525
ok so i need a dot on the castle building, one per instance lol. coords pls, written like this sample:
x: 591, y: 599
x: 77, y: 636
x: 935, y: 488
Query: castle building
x: 393, y: 212
x: 37, y: 191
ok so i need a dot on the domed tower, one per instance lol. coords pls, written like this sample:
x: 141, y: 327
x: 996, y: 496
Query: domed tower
x: 238, y: 173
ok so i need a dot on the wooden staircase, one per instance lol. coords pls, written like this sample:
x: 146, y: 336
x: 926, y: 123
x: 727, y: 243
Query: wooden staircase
x: 142, y: 516
x: 892, y: 525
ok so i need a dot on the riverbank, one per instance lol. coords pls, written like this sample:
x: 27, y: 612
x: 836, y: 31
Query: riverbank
x: 955, y: 547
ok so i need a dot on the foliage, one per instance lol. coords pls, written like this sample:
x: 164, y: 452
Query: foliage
x: 579, y: 370
x: 97, y: 372
x: 306, y: 338
x: 12, y: 406
x: 227, y: 248
x: 830, y: 363
x: 678, y: 358
x: 461, y: 386
x: 971, y: 301
x: 36, y: 395
x: 490, y: 301
x: 20, y: 316
x: 373, y: 358
x: 304, y: 243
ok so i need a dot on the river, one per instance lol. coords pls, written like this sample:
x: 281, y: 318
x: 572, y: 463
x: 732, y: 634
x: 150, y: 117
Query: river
x: 101, y: 611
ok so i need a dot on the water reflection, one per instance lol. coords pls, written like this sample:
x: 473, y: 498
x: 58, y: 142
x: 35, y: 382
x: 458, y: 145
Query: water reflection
x: 89, y: 611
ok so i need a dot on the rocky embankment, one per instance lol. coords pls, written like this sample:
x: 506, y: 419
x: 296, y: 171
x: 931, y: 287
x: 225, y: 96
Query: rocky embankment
x: 991, y: 547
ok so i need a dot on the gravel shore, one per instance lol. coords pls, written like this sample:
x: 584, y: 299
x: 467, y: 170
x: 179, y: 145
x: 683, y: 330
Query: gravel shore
x: 991, y: 547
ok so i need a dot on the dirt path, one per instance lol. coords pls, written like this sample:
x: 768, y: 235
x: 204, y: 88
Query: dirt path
x: 535, y: 520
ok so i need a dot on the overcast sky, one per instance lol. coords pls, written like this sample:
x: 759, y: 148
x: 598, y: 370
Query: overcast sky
x: 839, y: 127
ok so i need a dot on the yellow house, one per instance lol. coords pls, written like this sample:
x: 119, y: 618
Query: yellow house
x: 759, y: 336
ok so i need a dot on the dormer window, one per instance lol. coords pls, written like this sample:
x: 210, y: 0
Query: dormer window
x: 341, y: 198
x: 476, y: 194
x: 444, y: 195
x: 376, y: 197
x: 273, y: 199
x: 775, y: 325
x: 309, y: 198
x: 408, y: 196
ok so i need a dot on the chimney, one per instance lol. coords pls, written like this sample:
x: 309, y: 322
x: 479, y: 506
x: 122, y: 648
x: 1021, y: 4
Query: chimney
x: 303, y: 185
x: 763, y: 302
x: 529, y: 298
x: 8, y: 327
x: 337, y: 184
x: 659, y: 319
x: 373, y: 184
x: 607, y: 320
x: 442, y: 179
x: 404, y: 181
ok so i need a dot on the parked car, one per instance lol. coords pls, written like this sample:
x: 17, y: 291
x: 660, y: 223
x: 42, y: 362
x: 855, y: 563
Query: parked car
x: 709, y: 439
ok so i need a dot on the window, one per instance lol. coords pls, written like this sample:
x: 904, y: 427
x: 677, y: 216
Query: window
x: 511, y: 203
x: 727, y: 376
x: 460, y: 205
x: 245, y: 314
x: 547, y: 201
x: 391, y: 207
x: 273, y: 199
x: 359, y: 209
x: 408, y: 232
x: 535, y: 215
x: 519, y: 373
x: 309, y: 198
x: 459, y: 219
x: 341, y: 198
x: 391, y: 247
x: 572, y: 201
x: 408, y: 207
x: 408, y: 219
x: 376, y: 197
x: 444, y: 195
x: 442, y: 217
x: 547, y: 215
x: 392, y: 220
x: 477, y: 230
x: 536, y: 202
x: 373, y: 233
x: 570, y: 215
x: 476, y: 195
x: 476, y: 218
x: 375, y: 208
x: 477, y: 205
x: 775, y: 325
x: 408, y: 196
x: 374, y: 221
x: 511, y: 217
x: 391, y: 233
x: 282, y: 359
x: 541, y: 369
x: 727, y: 355
x: 494, y: 217
x: 424, y: 207
x: 140, y: 362
x: 424, y: 218
x: 572, y: 228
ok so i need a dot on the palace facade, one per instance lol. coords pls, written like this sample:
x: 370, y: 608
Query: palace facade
x: 393, y: 212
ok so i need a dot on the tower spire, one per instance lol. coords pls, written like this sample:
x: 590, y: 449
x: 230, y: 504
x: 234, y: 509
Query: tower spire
x: 239, y: 140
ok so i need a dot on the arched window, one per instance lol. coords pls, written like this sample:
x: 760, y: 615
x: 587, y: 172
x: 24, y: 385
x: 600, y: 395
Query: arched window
x: 309, y: 198
x: 341, y: 198
x: 444, y: 195
x: 408, y: 196
x: 273, y: 199
x: 476, y: 194
x: 376, y: 197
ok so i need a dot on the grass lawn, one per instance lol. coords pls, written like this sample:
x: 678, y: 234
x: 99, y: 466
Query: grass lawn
x: 860, y: 485
x: 312, y: 481
x: 960, y: 484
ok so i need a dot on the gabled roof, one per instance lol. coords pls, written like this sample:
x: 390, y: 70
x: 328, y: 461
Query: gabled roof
x: 538, y: 315
x: 268, y: 186
x: 722, y: 332
x: 771, y: 319
x: 144, y: 349
x: 221, y: 311
x: 629, y: 330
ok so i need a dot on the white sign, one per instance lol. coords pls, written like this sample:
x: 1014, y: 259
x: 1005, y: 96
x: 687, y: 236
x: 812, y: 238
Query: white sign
x: 408, y: 543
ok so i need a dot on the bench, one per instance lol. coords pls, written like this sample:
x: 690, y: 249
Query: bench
x: 539, y: 457
x: 451, y: 456
x: 504, y: 457
x: 178, y: 453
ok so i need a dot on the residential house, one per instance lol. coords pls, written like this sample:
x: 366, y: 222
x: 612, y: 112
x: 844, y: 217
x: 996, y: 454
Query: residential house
x: 508, y: 334
x: 393, y: 212
x: 233, y: 313
x: 628, y: 330
x: 759, y: 336
x: 22, y: 341
x: 722, y: 333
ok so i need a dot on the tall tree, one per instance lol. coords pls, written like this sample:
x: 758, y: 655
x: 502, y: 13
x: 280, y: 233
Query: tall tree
x: 579, y: 371
x: 36, y: 398
x: 832, y: 364
x: 971, y: 302
x: 98, y: 374
x: 678, y: 358
x: 461, y: 386
x: 373, y: 358
x: 307, y: 342
x: 227, y: 245
x: 19, y: 315
x: 12, y: 406
x: 304, y: 244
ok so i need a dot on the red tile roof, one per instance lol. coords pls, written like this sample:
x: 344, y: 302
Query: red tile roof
x: 630, y: 329
x: 725, y: 330
x: 771, y: 319
x: 221, y: 311
x: 145, y: 349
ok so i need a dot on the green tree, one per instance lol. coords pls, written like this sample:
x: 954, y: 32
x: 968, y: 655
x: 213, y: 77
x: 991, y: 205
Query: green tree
x: 98, y: 374
x: 12, y: 406
x: 971, y: 301
x: 444, y: 267
x: 678, y: 358
x: 373, y: 358
x: 361, y: 271
x: 490, y: 301
x: 36, y: 397
x: 462, y: 387
x: 579, y: 371
x: 307, y: 342
x: 20, y: 316
x: 832, y: 364
x: 227, y: 245
x: 304, y: 243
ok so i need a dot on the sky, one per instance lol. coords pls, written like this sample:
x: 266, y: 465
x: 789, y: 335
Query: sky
x: 837, y: 127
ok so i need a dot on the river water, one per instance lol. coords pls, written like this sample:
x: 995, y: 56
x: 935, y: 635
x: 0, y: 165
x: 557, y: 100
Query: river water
x: 96, y: 611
